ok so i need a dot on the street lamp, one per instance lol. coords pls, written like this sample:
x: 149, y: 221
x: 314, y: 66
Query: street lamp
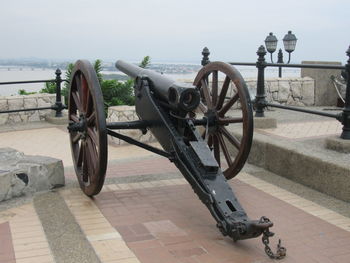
x: 289, y: 42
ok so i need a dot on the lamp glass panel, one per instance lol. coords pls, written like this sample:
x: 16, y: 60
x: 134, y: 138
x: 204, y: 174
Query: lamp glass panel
x: 289, y: 45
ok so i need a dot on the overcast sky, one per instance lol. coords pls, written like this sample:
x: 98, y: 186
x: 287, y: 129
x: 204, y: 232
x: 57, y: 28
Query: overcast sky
x: 171, y: 30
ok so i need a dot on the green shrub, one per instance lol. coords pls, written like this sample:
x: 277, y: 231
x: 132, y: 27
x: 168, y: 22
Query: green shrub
x: 118, y: 93
x: 24, y: 92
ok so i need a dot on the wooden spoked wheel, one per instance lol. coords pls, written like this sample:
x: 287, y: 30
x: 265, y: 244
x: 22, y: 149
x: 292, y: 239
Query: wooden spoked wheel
x: 226, y: 103
x: 87, y: 127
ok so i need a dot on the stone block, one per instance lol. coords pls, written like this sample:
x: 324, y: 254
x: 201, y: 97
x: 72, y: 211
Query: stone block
x: 44, y: 102
x: 283, y: 90
x: 21, y: 174
x: 296, y: 89
x: 325, y: 94
x: 4, y: 118
x: 15, y: 103
x: 3, y: 105
x: 24, y: 116
x: 308, y: 92
x: 34, y: 116
x: 272, y: 85
x: 30, y: 103
x: 251, y: 85
x: 275, y: 96
x: 14, y: 117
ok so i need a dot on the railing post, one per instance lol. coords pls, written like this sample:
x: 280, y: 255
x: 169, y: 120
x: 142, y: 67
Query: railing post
x: 260, y: 89
x: 346, y: 111
x: 205, y: 59
x: 280, y: 61
x: 58, y: 104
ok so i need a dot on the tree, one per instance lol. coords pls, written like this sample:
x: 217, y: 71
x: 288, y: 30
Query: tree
x: 145, y: 62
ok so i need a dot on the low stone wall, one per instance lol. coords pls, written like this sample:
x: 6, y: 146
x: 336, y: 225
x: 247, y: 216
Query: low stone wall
x: 289, y: 91
x: 127, y: 113
x: 25, y: 102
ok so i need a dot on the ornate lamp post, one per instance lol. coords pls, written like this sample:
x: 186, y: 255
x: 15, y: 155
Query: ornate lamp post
x: 289, y: 42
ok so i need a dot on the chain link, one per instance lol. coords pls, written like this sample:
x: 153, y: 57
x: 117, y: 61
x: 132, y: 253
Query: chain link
x: 281, y: 251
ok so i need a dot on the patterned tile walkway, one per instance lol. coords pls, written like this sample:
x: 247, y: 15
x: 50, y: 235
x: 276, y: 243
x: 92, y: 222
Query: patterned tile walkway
x: 22, y: 239
x: 164, y: 221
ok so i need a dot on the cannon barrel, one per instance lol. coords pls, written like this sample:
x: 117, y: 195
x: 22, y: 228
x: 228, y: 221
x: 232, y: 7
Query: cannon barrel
x: 179, y: 95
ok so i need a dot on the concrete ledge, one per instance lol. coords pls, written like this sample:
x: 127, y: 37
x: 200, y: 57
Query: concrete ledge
x: 264, y: 123
x: 337, y: 144
x: 321, y: 171
x: 21, y: 174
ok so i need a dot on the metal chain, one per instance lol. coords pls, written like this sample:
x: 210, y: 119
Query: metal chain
x: 281, y: 251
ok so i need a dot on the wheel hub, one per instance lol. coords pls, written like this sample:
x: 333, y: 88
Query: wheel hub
x: 80, y: 126
x: 212, y: 117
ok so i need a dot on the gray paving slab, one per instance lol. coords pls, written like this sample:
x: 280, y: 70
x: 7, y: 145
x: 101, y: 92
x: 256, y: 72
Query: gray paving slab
x: 67, y: 241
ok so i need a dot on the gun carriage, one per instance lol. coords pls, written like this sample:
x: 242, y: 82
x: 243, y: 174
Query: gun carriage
x: 192, y: 125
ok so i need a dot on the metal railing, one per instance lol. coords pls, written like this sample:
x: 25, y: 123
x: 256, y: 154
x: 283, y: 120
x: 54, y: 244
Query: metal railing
x: 58, y: 106
x: 260, y: 102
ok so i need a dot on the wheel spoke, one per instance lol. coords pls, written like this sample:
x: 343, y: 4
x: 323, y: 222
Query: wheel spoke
x: 206, y: 94
x: 224, y: 149
x: 77, y: 101
x: 80, y: 155
x: 216, y: 149
x: 85, y: 165
x: 85, y: 92
x: 91, y: 120
x: 89, y: 104
x: 233, y: 140
x: 210, y: 141
x: 223, y: 93
x: 202, y: 107
x: 77, y: 79
x: 224, y: 121
x: 76, y: 138
x: 215, y: 88
x: 228, y: 105
x: 74, y: 118
x: 92, y: 155
x: 92, y: 134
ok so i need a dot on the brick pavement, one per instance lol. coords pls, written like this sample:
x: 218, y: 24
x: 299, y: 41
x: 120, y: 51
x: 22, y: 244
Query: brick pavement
x: 164, y: 221
x: 136, y: 167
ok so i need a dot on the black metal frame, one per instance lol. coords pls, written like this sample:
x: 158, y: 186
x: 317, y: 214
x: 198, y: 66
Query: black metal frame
x: 261, y: 103
x: 58, y: 106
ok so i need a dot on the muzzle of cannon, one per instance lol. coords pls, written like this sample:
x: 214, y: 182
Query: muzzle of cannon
x: 178, y: 95
x: 206, y: 130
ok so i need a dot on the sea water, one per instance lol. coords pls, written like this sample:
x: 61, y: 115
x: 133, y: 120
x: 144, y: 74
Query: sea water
x: 25, y: 74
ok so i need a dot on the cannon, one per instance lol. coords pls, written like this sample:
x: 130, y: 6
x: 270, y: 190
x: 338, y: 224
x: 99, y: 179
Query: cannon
x: 192, y: 125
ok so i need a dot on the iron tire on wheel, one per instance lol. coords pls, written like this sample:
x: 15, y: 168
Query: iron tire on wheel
x: 89, y: 144
x: 215, y: 104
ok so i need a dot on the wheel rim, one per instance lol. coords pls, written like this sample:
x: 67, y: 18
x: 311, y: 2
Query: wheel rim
x: 89, y: 142
x: 230, y: 151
